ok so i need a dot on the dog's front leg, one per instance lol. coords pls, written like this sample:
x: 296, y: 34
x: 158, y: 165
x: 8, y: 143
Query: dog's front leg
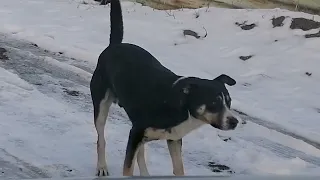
x: 176, y: 157
x: 142, y: 161
x: 134, y: 143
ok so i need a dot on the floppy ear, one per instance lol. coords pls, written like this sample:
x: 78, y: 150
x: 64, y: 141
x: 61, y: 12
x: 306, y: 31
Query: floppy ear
x: 226, y: 79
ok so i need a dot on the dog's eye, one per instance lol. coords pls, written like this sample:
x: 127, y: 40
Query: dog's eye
x: 214, y: 106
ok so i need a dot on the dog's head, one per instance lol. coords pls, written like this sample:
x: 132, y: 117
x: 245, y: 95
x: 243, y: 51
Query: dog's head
x: 208, y: 100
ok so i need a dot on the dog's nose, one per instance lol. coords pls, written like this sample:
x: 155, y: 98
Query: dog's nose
x: 232, y: 121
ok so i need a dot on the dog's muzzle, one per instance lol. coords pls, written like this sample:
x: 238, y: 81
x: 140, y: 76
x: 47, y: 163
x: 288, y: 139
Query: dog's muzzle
x: 232, y: 122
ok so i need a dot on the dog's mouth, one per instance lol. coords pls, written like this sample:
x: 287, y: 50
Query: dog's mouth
x: 215, y: 126
x: 223, y: 120
x: 230, y: 124
x: 224, y: 128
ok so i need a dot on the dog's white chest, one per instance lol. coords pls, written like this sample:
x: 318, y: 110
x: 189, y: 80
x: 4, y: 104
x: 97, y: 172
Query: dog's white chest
x: 173, y: 133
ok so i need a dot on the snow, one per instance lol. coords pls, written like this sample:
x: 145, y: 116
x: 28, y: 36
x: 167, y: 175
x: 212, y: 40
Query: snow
x: 54, y: 135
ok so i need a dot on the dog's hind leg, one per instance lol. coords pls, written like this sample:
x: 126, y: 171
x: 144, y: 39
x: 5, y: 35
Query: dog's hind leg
x: 176, y: 156
x: 134, y: 143
x: 101, y: 109
x: 142, y: 161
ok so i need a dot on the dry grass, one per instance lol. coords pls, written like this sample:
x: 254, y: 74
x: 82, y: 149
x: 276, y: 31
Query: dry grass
x: 262, y: 4
x: 177, y: 4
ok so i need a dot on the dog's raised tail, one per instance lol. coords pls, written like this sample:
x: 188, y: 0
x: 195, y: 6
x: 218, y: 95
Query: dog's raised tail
x: 116, y: 34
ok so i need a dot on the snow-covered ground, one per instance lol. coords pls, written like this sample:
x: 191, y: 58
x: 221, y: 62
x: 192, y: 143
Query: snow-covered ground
x: 43, y: 126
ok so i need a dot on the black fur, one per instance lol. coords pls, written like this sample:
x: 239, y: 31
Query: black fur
x: 225, y: 79
x: 135, y: 138
x: 145, y: 88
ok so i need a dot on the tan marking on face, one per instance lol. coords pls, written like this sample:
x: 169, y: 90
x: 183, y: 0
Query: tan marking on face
x: 207, y: 116
x: 201, y: 110
x: 212, y: 118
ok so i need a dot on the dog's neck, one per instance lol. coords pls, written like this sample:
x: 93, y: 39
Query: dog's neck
x: 176, y: 132
x: 185, y: 127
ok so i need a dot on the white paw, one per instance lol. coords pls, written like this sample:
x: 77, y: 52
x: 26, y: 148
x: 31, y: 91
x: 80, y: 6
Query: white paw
x: 102, y: 171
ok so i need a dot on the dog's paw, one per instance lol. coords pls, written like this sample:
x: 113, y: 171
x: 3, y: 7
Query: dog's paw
x: 102, y: 171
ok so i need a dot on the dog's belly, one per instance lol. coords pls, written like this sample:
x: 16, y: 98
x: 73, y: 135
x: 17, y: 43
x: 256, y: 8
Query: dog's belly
x: 160, y: 134
x: 173, y: 133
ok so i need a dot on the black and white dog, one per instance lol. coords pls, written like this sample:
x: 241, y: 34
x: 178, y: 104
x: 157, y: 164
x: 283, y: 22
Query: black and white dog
x: 160, y: 104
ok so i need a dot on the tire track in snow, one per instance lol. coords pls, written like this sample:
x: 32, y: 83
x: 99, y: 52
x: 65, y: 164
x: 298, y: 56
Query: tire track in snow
x: 18, y: 169
x: 277, y: 128
x: 283, y: 151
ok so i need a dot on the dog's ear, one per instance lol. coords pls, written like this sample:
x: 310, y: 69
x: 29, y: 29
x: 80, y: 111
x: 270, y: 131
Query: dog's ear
x: 226, y: 79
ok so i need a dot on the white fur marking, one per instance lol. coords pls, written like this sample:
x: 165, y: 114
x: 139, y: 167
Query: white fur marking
x: 100, y: 125
x: 176, y: 132
x: 227, y: 113
x: 142, y: 161
x: 176, y: 157
x: 241, y: 121
x: 224, y: 123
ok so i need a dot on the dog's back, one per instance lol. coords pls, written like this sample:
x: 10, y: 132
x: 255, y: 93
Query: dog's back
x: 141, y: 72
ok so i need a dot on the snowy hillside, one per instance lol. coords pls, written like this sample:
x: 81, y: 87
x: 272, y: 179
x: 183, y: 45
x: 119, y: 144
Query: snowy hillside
x: 50, y: 48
